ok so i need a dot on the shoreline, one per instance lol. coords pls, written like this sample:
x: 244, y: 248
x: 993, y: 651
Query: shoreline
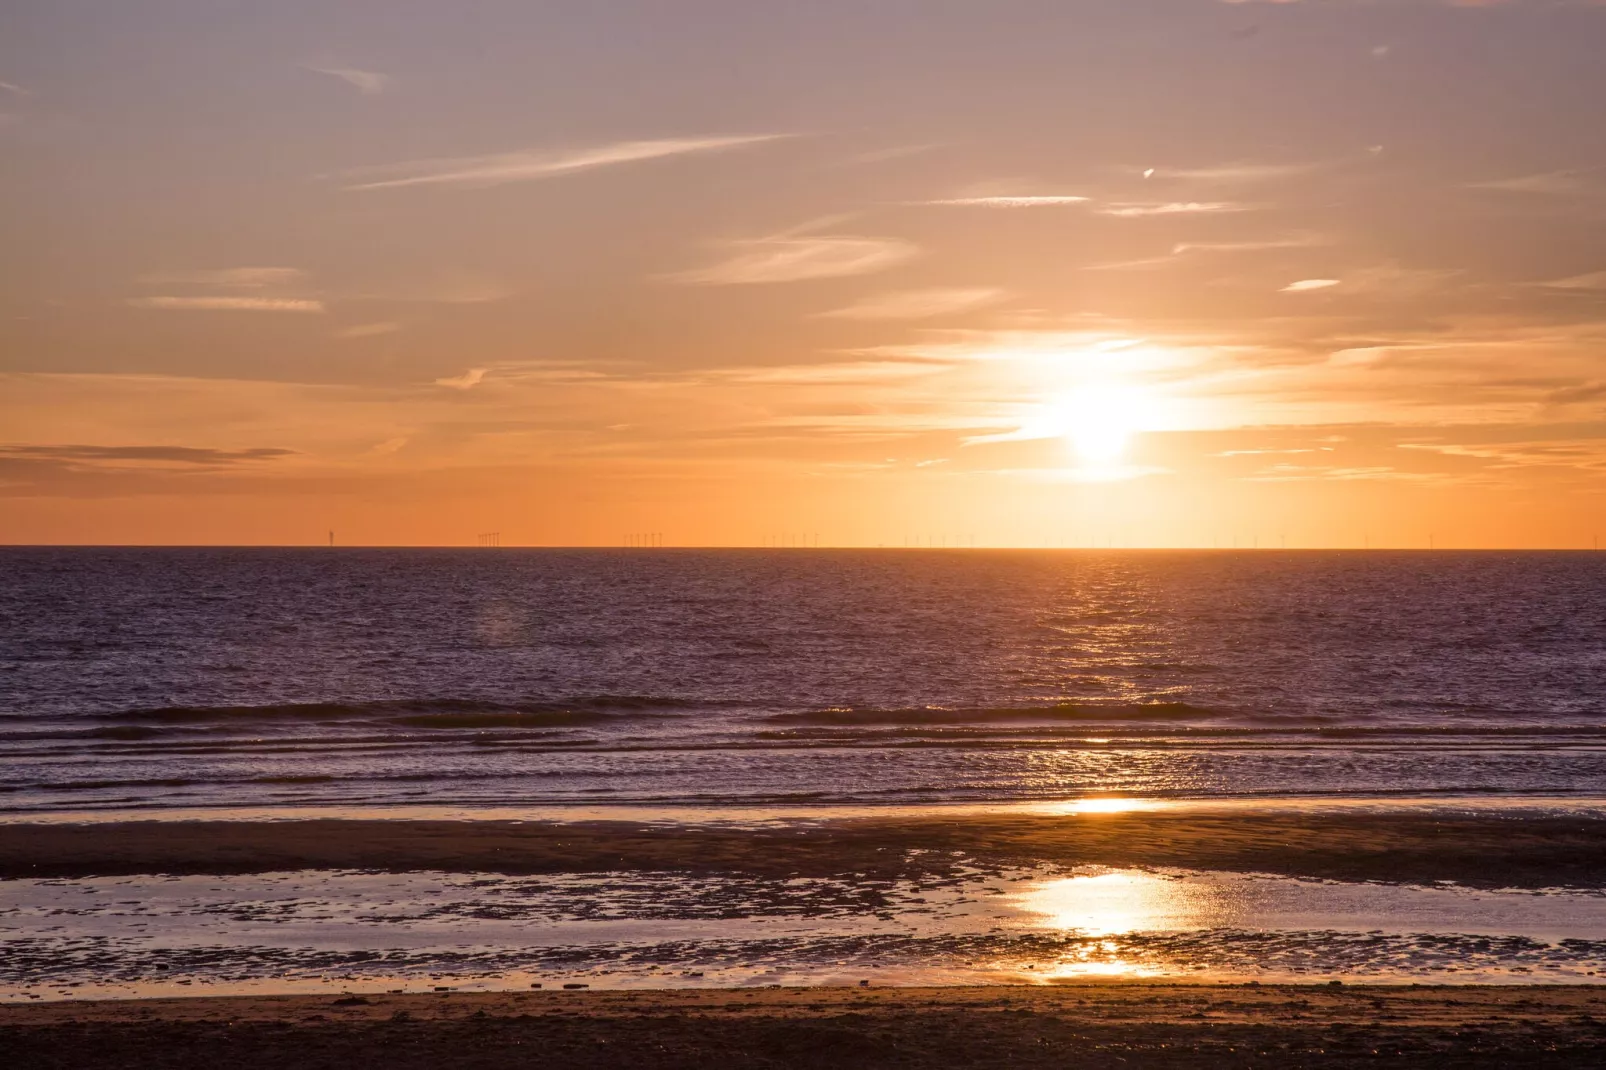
x: 1083, y: 1024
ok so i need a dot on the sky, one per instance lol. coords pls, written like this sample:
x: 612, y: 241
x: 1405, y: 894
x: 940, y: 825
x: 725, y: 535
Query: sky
x: 1194, y: 273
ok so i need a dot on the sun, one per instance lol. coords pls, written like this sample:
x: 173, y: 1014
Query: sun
x: 1100, y: 420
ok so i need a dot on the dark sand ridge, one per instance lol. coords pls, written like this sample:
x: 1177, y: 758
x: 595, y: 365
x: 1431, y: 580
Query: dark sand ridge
x: 1476, y: 850
x: 1092, y: 1026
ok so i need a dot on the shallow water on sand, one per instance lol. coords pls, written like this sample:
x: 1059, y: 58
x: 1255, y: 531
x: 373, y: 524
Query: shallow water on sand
x: 343, y: 930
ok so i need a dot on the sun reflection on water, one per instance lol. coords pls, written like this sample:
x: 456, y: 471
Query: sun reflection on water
x: 1110, y: 904
x: 1110, y: 805
x: 1116, y: 902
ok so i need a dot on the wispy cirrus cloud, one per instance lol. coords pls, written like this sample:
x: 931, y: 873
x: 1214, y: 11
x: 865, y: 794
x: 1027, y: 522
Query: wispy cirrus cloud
x: 795, y: 258
x: 1288, y: 473
x: 1161, y: 208
x: 228, y: 304
x: 1030, y: 200
x: 185, y: 455
x: 1595, y: 280
x: 238, y: 278
x: 845, y: 373
x: 445, y: 286
x: 14, y: 88
x: 368, y: 330
x: 1292, y: 241
x: 1547, y: 184
x: 917, y: 304
x: 237, y: 289
x: 368, y: 83
x: 1576, y: 453
x: 471, y: 172
x: 1185, y: 249
x: 1383, y: 280
x: 1578, y: 394
x: 469, y: 379
x: 1235, y: 172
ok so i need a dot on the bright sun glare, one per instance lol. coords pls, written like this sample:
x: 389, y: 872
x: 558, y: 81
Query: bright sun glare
x: 1099, y: 422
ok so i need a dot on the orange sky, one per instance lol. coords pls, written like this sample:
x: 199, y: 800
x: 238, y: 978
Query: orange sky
x: 1080, y: 272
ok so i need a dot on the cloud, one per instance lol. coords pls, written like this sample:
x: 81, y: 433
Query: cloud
x: 1388, y: 280
x: 1238, y: 172
x: 189, y: 455
x: 368, y: 83
x: 1595, y: 280
x: 845, y: 373
x: 240, y: 278
x: 1296, y: 241
x: 895, y: 152
x: 1549, y: 183
x: 1049, y: 200
x: 527, y: 166
x: 794, y: 258
x: 1286, y: 473
x: 1573, y: 395
x: 916, y: 304
x: 368, y: 330
x: 13, y: 87
x: 446, y: 286
x: 1132, y: 211
x: 245, y: 289
x: 471, y: 378
x: 1293, y: 241
x: 229, y: 304
x: 1574, y: 453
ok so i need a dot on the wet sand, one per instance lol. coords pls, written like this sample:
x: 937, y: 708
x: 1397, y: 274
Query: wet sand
x: 1481, y: 851
x: 1083, y: 1025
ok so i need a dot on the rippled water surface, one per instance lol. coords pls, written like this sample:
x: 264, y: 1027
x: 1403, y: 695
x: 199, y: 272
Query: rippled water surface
x: 182, y: 678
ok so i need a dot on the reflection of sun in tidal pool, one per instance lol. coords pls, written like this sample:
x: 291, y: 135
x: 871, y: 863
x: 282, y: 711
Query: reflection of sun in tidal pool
x: 1123, y: 901
x: 1106, y: 904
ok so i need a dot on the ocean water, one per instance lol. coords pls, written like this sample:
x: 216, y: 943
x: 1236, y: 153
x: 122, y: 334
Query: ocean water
x: 186, y: 678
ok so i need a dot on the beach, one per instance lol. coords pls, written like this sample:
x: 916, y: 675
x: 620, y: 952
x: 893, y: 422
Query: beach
x: 1278, y: 892
x: 1124, y: 1025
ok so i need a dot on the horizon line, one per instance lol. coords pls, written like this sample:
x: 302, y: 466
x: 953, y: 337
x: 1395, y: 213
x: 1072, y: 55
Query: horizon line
x: 1035, y: 548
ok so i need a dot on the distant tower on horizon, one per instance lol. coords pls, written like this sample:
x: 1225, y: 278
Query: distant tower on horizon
x: 331, y: 537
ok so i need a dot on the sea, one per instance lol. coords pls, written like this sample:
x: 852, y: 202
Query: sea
x: 136, y: 679
x: 792, y: 688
